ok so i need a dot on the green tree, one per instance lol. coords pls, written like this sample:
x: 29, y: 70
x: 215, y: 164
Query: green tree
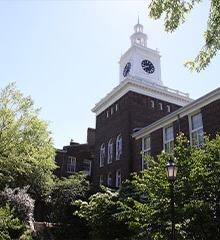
x: 146, y: 206
x: 100, y: 211
x: 63, y: 193
x: 176, y: 11
x: 26, y: 150
x: 10, y: 226
x: 60, y: 204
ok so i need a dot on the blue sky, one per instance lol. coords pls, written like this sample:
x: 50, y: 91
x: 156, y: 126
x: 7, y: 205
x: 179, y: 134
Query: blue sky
x: 65, y: 55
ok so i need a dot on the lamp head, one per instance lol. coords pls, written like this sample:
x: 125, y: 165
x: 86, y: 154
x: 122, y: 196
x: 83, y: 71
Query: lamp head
x: 171, y: 171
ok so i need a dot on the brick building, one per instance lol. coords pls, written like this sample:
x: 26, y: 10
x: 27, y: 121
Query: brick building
x: 139, y: 100
x: 76, y: 157
x: 199, y: 117
x: 138, y: 115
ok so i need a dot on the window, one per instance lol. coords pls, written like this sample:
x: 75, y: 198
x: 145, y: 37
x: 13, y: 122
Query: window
x: 102, y: 155
x: 168, y: 139
x: 118, y: 147
x: 116, y: 107
x: 196, y: 130
x: 146, y: 150
x: 107, y: 115
x: 71, y: 164
x: 87, y: 164
x: 118, y: 178
x: 101, y: 180
x: 152, y: 103
x: 112, y: 110
x: 109, y: 180
x: 161, y: 106
x: 110, y: 151
x: 168, y: 108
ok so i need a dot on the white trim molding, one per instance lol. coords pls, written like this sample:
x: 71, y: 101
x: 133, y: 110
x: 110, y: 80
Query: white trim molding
x: 189, y: 109
x: 138, y: 85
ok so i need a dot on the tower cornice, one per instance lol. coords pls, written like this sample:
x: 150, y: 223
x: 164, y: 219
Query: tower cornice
x: 138, y: 47
x: 148, y: 89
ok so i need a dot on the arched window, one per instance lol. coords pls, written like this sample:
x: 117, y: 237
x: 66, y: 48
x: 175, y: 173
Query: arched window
x: 109, y: 180
x: 102, y: 155
x: 161, y: 106
x: 110, y: 151
x: 118, y: 147
x: 118, y: 178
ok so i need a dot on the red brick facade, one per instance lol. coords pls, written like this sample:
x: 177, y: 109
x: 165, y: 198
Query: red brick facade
x: 134, y: 111
x: 211, y: 126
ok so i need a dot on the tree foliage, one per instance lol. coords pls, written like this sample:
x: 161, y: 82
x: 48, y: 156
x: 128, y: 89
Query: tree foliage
x: 64, y: 192
x: 8, y: 223
x: 197, y: 195
x: 26, y: 151
x: 100, y: 211
x: 176, y: 11
x: 21, y: 202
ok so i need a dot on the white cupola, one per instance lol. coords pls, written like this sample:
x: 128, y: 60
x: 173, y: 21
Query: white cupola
x: 139, y: 62
x: 139, y: 37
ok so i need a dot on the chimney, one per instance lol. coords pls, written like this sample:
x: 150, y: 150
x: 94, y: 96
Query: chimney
x: 91, y: 136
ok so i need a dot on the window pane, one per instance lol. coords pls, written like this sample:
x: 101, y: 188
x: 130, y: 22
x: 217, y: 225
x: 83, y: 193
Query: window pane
x: 146, y: 143
x: 197, y: 121
x: 168, y: 134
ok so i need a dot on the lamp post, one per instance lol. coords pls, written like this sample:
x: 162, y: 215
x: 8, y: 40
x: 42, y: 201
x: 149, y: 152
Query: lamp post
x: 171, y: 171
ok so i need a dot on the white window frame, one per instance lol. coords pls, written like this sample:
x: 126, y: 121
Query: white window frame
x: 196, y: 130
x: 102, y: 155
x: 112, y: 110
x: 89, y: 162
x: 110, y: 151
x: 168, y: 142
x: 168, y: 108
x: 107, y: 115
x: 145, y: 151
x: 118, y: 178
x: 116, y: 107
x: 109, y: 179
x: 118, y: 148
x: 71, y: 164
x: 101, y: 180
x: 161, y: 106
x: 152, y: 103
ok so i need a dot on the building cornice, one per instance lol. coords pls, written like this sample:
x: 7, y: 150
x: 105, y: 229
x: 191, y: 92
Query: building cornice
x: 140, y: 86
x: 138, y: 47
x: 184, y: 111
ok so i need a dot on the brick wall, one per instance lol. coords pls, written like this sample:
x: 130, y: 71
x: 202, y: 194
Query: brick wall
x: 134, y: 111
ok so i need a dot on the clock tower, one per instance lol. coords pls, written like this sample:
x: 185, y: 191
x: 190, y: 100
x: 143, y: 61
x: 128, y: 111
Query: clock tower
x: 140, y: 62
x: 137, y: 101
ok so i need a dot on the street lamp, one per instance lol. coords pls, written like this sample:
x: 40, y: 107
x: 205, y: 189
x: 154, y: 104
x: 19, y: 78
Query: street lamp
x: 171, y: 171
